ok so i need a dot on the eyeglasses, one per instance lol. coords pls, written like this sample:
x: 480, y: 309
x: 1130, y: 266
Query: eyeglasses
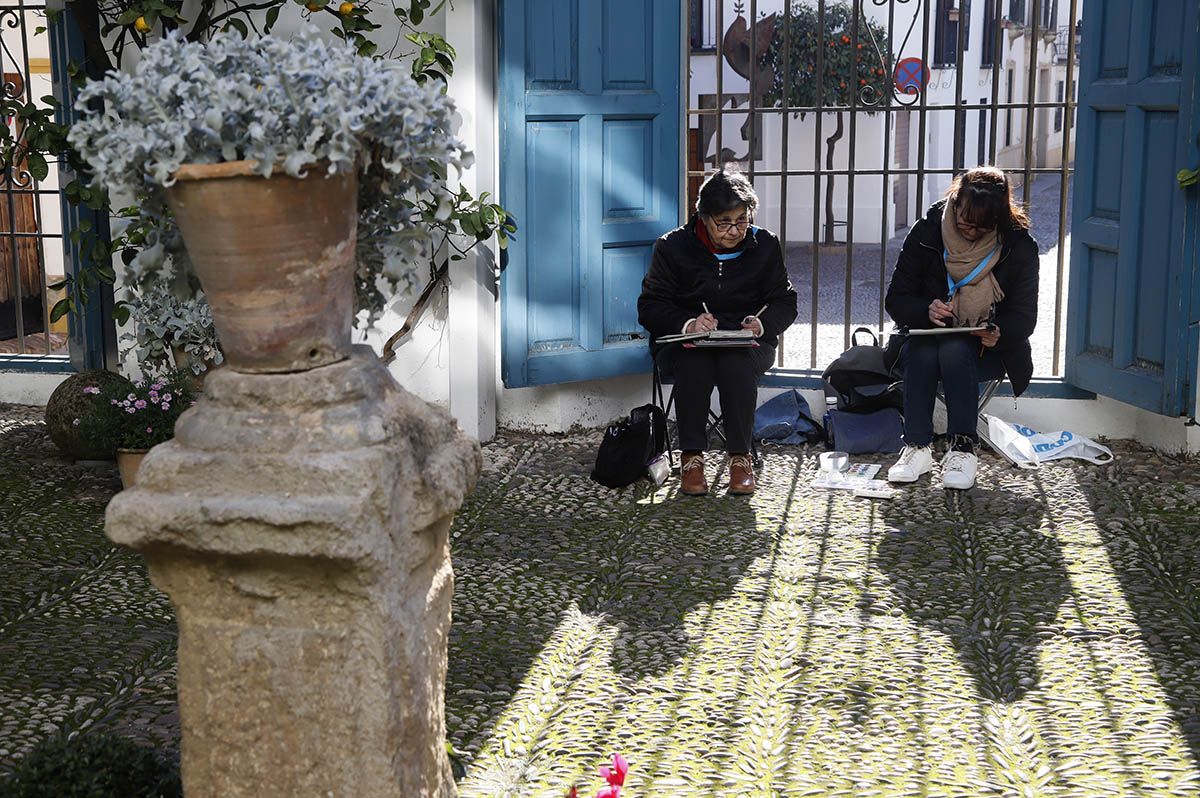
x: 958, y: 215
x: 725, y: 227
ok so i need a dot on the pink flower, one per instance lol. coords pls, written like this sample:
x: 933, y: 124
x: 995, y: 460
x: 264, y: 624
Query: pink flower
x: 130, y: 398
x: 166, y: 406
x: 154, y: 396
x: 113, y: 402
x: 166, y: 397
x: 615, y: 776
x: 149, y: 429
x: 130, y: 409
x: 139, y: 404
x: 92, y: 389
x: 156, y: 386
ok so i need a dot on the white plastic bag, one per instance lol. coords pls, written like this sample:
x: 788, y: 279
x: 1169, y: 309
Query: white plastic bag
x: 1029, y: 449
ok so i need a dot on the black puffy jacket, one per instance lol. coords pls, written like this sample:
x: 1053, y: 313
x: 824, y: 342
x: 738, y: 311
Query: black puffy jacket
x: 920, y: 278
x: 683, y: 274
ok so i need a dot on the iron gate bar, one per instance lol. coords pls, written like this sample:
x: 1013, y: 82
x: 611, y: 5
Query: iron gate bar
x: 719, y: 158
x: 1031, y: 95
x: 816, y: 247
x: 921, y: 111
x: 960, y: 113
x: 1068, y: 121
x: 847, y: 303
x: 750, y: 105
x: 997, y: 33
x: 784, y: 98
x: 887, y: 149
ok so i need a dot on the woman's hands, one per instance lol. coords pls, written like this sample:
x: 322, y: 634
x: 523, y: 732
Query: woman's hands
x: 989, y: 337
x: 939, y: 312
x: 752, y: 323
x: 705, y: 322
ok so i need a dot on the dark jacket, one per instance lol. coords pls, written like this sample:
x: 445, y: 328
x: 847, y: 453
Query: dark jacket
x: 683, y: 274
x: 920, y: 278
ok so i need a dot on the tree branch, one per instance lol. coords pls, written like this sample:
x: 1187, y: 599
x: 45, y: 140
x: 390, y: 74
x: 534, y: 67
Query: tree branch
x: 200, y: 26
x: 242, y: 10
x: 87, y: 19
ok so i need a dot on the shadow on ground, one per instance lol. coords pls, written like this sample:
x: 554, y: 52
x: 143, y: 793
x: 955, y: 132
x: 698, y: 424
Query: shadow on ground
x: 1146, y: 509
x: 977, y: 567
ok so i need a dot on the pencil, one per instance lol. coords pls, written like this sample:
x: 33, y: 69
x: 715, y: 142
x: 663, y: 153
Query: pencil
x: 760, y: 311
x: 705, y: 306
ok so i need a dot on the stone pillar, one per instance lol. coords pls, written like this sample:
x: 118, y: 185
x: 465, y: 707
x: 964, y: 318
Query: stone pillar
x: 300, y: 525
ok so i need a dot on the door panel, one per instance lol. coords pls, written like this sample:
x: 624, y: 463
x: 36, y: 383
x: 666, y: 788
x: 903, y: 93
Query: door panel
x: 1132, y: 257
x: 591, y: 167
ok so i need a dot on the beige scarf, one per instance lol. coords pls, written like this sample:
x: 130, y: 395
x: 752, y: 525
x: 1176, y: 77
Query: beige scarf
x: 972, y: 303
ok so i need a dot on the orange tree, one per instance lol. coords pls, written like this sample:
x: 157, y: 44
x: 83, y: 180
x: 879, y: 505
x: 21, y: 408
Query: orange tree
x: 853, y: 71
x: 112, y: 30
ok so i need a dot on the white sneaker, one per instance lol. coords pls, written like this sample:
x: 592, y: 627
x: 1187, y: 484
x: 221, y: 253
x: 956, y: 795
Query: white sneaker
x: 913, y: 463
x: 958, y: 470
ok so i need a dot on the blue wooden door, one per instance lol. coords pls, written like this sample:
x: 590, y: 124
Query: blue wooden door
x: 590, y: 166
x: 1131, y: 315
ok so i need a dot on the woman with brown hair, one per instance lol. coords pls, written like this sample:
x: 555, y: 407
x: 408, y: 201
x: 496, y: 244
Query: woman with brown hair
x: 970, y: 262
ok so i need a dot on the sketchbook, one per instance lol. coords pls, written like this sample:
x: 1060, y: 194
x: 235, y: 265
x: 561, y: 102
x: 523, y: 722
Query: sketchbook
x: 945, y: 330
x: 726, y: 337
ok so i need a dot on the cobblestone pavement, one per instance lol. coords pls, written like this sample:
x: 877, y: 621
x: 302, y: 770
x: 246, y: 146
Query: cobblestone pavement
x: 1037, y: 635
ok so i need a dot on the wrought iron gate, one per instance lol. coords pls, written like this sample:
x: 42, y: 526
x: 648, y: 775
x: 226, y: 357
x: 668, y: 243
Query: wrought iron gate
x: 852, y: 117
x: 36, y: 223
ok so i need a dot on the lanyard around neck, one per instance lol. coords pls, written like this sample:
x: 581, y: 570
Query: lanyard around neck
x: 952, y: 286
x: 722, y: 256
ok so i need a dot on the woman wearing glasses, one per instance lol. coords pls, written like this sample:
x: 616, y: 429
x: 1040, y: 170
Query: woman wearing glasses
x: 970, y: 262
x: 717, y: 272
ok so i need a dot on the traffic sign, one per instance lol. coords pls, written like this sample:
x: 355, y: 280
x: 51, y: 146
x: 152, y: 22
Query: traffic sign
x: 911, y: 75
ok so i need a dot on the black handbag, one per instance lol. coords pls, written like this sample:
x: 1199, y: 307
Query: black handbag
x: 630, y: 445
x: 864, y: 378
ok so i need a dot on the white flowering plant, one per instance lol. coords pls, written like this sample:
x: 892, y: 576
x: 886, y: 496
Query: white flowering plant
x: 296, y: 106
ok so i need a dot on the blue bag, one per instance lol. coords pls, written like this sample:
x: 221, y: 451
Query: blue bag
x: 786, y: 419
x: 861, y: 433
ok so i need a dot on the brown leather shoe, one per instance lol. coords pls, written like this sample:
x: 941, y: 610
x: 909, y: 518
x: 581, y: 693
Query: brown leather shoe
x: 741, y: 475
x: 691, y: 475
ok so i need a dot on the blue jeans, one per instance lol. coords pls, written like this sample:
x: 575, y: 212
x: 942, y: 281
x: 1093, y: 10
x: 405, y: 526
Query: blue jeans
x: 955, y: 361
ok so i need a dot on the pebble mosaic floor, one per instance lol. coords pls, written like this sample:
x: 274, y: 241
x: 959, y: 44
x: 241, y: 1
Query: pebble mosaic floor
x: 1038, y: 635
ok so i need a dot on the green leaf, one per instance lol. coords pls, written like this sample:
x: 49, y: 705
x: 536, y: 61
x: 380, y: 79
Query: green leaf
x: 272, y: 16
x: 1188, y: 177
x: 60, y: 309
x: 85, y: 225
x: 38, y: 166
x: 59, y: 284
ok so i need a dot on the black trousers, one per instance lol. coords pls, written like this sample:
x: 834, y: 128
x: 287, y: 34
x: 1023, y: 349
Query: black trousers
x: 734, y: 372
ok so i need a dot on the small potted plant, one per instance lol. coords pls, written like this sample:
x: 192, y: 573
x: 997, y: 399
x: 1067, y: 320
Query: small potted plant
x: 137, y: 418
x: 290, y: 168
x: 171, y: 330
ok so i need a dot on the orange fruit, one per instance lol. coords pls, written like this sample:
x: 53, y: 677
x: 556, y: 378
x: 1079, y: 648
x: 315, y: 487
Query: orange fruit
x: 346, y: 8
x: 141, y: 25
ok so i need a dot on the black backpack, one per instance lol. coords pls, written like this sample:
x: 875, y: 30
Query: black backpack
x: 864, y: 378
x: 629, y: 445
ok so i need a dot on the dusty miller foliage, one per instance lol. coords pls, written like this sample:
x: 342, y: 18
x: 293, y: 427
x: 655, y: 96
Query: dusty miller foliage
x: 289, y: 105
x: 163, y: 320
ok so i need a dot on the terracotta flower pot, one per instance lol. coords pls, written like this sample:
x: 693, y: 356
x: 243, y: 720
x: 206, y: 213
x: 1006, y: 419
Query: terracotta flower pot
x: 276, y: 259
x: 128, y: 461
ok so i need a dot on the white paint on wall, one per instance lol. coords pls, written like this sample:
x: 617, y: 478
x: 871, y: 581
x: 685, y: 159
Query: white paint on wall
x: 25, y: 388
